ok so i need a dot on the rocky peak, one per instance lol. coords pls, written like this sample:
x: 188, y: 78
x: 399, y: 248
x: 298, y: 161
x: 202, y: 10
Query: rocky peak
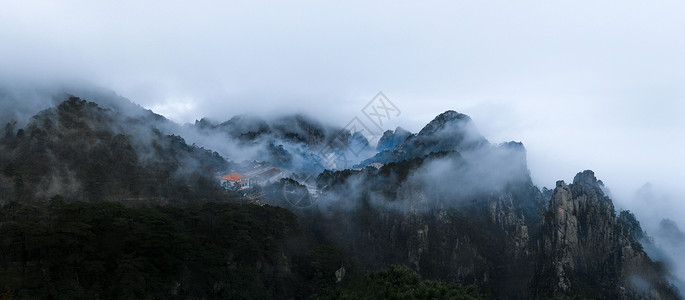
x: 669, y: 229
x: 391, y: 139
x: 302, y: 129
x: 561, y: 192
x: 242, y: 124
x: 512, y: 145
x: 204, y: 123
x: 445, y: 120
x: 449, y: 131
x: 402, y: 132
x: 586, y: 246
x: 358, y: 138
x: 587, y: 178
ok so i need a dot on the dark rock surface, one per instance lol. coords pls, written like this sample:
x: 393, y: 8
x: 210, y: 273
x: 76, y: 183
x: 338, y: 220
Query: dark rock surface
x: 448, y: 131
x: 447, y: 203
x: 391, y: 139
x: 589, y: 250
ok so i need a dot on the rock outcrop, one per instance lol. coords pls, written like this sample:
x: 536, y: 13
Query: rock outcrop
x: 448, y: 131
x: 447, y: 203
x: 391, y: 139
x: 589, y: 250
x: 455, y: 207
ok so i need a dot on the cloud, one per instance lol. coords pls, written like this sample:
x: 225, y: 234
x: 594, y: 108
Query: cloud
x: 584, y: 85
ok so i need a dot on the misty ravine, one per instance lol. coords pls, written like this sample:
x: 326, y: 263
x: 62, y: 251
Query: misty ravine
x: 102, y: 199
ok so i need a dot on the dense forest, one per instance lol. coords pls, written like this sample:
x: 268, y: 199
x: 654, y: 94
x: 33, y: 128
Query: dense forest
x: 82, y: 151
x: 104, y: 250
x: 98, y: 204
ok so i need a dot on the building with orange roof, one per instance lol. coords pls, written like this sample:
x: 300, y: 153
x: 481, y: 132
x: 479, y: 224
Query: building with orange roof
x: 233, y: 177
x: 230, y: 180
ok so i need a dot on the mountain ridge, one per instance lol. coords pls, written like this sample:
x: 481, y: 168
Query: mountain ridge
x: 447, y: 202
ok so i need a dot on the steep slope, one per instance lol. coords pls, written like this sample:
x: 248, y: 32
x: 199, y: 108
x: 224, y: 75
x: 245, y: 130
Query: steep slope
x: 589, y: 250
x: 448, y: 131
x: 468, y: 212
x: 509, y: 242
x: 667, y: 245
x: 447, y: 203
x: 402, y: 214
x: 391, y: 139
x: 80, y: 150
x: 296, y: 143
x: 104, y: 250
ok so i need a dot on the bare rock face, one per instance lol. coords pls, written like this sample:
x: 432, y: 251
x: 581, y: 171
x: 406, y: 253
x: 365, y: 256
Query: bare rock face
x: 456, y: 208
x: 391, y: 139
x: 448, y: 131
x: 588, y: 250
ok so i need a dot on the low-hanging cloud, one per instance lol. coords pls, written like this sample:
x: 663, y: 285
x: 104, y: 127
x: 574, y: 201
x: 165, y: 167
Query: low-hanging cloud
x: 584, y: 85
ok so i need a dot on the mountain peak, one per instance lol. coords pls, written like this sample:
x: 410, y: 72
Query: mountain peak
x: 402, y: 131
x: 669, y: 228
x: 391, y: 139
x: 204, y: 123
x: 441, y: 121
x: 449, y: 131
x: 588, y: 178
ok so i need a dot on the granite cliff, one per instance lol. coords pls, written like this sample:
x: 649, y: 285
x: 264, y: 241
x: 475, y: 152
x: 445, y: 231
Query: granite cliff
x: 445, y: 202
x: 455, y: 207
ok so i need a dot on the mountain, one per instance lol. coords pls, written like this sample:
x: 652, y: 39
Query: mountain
x: 83, y: 151
x: 590, y: 248
x: 511, y: 242
x: 110, y: 201
x: 448, y: 131
x: 669, y: 230
x: 391, y: 139
x: 295, y: 143
x: 455, y: 207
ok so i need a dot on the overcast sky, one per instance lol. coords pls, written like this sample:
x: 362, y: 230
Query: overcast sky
x: 583, y: 84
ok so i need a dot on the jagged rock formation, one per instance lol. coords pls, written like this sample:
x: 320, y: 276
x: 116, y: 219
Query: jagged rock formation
x: 512, y: 243
x: 589, y: 250
x: 483, y: 238
x: 448, y: 131
x: 447, y: 203
x: 296, y: 143
x: 244, y: 128
x: 391, y: 139
x: 468, y: 212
